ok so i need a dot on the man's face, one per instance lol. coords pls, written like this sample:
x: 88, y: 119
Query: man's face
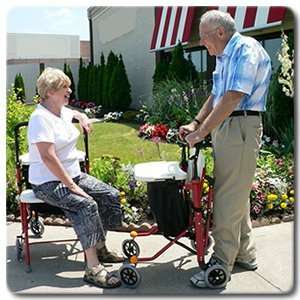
x: 210, y: 37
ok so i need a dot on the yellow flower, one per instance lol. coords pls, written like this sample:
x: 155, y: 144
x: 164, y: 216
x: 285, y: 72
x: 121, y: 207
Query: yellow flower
x: 283, y: 205
x: 123, y: 201
x: 269, y: 205
x: 291, y: 199
x: 205, y: 185
x: 292, y: 192
x: 272, y: 197
x: 122, y: 194
x: 284, y: 196
x: 206, y: 190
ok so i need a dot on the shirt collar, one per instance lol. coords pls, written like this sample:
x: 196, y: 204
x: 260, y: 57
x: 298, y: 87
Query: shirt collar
x: 230, y: 44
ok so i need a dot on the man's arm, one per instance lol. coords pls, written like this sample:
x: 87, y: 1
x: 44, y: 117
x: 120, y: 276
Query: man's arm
x: 205, y: 109
x: 221, y: 111
x: 201, y: 116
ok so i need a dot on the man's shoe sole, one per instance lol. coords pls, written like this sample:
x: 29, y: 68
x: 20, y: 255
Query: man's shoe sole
x: 246, y: 266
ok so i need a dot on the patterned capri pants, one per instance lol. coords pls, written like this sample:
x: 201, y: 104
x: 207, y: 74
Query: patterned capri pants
x: 91, y: 217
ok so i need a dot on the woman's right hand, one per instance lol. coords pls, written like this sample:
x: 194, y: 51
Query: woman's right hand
x: 74, y: 188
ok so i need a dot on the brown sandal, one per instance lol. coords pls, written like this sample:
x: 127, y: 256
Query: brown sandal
x: 106, y: 256
x: 99, y: 277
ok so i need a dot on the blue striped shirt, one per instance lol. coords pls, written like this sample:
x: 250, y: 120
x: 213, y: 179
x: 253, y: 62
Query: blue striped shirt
x: 244, y: 66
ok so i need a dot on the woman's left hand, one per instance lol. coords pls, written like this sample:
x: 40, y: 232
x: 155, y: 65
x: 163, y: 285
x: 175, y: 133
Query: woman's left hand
x: 85, y: 123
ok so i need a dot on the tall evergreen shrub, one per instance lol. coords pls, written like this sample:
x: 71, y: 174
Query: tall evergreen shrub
x: 19, y: 87
x: 68, y: 72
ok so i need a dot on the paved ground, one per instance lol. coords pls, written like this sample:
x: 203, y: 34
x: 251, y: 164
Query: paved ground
x: 57, y: 271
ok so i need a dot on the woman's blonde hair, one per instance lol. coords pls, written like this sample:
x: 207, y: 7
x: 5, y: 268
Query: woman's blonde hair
x: 51, y: 79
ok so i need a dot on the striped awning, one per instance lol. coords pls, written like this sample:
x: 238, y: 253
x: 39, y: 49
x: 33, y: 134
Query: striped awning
x: 174, y: 24
x: 254, y: 17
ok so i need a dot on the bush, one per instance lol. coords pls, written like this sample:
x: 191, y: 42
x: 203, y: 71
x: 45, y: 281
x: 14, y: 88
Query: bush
x: 130, y: 116
x: 68, y: 72
x: 19, y: 87
x: 16, y: 112
x: 273, y: 190
x: 174, y: 103
x: 110, y: 170
x: 280, y: 105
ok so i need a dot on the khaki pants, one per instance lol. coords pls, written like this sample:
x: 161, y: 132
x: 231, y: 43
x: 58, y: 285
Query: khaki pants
x: 236, y: 143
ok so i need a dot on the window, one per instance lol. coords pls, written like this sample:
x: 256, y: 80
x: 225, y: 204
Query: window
x: 272, y: 46
x: 199, y: 59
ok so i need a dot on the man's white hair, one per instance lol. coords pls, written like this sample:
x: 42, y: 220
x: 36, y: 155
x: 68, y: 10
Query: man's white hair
x: 219, y: 18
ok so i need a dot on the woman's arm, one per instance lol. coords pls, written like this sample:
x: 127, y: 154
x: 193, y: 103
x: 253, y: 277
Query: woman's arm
x: 83, y: 119
x: 49, y: 157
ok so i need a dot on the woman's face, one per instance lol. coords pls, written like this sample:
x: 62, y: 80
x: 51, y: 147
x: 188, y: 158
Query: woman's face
x: 61, y: 96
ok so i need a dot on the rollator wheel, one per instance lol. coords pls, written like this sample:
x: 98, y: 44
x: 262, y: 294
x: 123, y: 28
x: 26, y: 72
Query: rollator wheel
x: 130, y: 276
x: 130, y: 248
x: 216, y: 277
x: 37, y: 227
x: 19, y: 249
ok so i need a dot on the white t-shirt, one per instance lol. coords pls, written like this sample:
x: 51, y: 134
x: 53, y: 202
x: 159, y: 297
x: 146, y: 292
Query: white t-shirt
x: 45, y: 126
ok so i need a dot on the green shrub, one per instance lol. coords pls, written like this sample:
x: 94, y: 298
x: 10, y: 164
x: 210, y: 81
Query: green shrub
x: 273, y: 189
x: 110, y: 170
x: 16, y: 112
x: 130, y: 115
x: 68, y: 72
x: 19, y: 87
x: 175, y: 103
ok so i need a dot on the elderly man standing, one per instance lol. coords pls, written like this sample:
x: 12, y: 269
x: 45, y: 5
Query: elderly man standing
x: 232, y: 114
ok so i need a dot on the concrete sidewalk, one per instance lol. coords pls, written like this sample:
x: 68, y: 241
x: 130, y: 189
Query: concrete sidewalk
x: 57, y: 271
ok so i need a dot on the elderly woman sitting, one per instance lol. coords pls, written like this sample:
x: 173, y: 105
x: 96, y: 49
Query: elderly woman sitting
x: 91, y: 205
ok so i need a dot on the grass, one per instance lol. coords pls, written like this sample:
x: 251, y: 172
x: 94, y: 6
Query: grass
x: 121, y: 140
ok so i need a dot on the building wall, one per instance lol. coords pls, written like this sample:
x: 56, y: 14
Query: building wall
x: 27, y: 45
x: 127, y: 31
x: 25, y: 52
x: 30, y: 72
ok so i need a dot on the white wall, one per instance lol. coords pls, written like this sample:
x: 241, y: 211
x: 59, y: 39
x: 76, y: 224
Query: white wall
x: 30, y: 46
x: 30, y: 49
x: 30, y: 73
x: 127, y: 31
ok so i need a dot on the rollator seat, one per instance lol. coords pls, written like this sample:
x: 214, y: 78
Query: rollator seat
x: 27, y: 196
x: 24, y: 158
x: 166, y: 196
x: 158, y: 171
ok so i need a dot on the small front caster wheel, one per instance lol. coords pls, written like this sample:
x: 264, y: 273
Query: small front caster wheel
x: 216, y: 277
x: 130, y: 248
x: 130, y: 276
x: 37, y: 227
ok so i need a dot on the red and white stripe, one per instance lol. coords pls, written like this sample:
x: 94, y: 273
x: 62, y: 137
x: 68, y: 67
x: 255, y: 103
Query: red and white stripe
x: 254, y: 17
x: 172, y: 24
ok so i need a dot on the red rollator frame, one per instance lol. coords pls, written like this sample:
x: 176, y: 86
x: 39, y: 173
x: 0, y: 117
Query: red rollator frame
x: 30, y: 206
x: 197, y: 230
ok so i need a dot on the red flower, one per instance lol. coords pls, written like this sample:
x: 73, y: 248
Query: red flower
x: 160, y: 130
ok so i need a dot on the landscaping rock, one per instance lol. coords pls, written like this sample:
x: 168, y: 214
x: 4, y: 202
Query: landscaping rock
x: 10, y: 218
x: 67, y: 222
x: 48, y: 221
x: 275, y: 220
x: 287, y: 218
x: 58, y: 221
x: 144, y: 227
x: 255, y: 223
